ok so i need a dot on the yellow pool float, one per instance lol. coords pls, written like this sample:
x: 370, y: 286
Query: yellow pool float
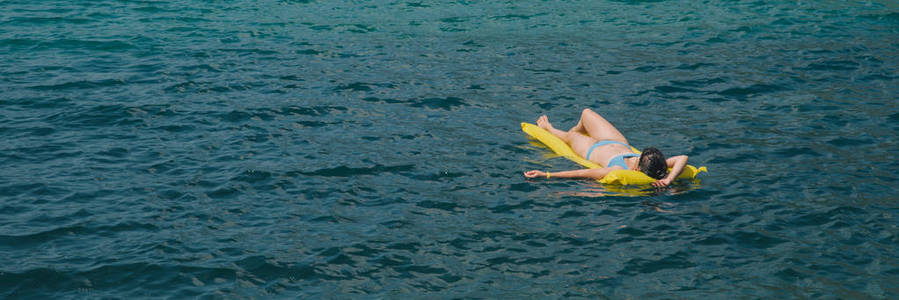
x: 617, y: 177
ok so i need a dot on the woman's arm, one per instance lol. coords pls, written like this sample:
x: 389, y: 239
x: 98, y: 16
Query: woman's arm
x: 676, y: 164
x: 598, y: 173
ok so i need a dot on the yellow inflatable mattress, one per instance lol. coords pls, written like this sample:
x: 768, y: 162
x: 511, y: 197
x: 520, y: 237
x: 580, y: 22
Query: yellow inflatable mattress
x: 619, y: 177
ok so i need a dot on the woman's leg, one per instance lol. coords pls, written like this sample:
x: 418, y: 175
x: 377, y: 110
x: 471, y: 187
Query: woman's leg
x: 579, y: 128
x: 598, y: 127
x: 579, y: 143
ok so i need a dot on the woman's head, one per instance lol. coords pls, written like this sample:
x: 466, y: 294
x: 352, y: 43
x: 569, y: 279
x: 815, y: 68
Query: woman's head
x: 652, y: 162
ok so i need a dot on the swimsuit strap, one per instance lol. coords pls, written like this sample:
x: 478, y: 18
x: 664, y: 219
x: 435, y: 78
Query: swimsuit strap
x: 603, y: 143
x: 619, y: 160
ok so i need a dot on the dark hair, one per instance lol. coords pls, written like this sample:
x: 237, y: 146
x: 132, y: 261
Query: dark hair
x: 652, y: 162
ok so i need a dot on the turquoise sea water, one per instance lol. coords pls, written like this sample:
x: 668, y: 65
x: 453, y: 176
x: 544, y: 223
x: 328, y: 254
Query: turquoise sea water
x: 362, y: 149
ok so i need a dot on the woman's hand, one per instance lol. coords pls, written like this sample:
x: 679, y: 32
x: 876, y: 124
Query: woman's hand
x: 676, y: 164
x: 662, y: 182
x: 534, y: 174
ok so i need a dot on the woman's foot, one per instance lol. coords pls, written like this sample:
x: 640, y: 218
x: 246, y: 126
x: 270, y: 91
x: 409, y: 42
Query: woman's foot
x: 543, y: 122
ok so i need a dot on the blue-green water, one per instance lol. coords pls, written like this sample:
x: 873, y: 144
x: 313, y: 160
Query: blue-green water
x: 342, y: 149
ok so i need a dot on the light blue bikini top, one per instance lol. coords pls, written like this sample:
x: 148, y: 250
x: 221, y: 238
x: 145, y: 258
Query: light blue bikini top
x: 617, y: 160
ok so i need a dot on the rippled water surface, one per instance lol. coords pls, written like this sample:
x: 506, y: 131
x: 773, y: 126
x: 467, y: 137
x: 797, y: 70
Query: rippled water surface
x: 334, y: 149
